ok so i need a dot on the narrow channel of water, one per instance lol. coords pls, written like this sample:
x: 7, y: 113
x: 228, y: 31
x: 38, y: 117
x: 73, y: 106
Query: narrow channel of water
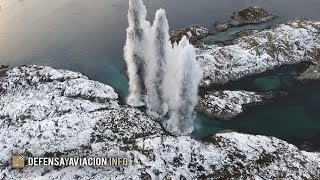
x: 294, y: 118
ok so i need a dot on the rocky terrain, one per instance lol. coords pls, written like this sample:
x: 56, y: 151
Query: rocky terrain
x: 225, y: 105
x: 250, y: 15
x: 49, y: 112
x: 259, y: 51
x: 313, y: 72
x: 253, y: 52
x: 194, y: 33
x: 3, y: 69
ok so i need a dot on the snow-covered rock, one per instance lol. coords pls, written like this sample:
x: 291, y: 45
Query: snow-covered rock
x: 225, y: 105
x: 39, y: 93
x: 48, y: 112
x: 250, y: 15
x: 312, y: 73
x: 193, y: 33
x: 258, y: 51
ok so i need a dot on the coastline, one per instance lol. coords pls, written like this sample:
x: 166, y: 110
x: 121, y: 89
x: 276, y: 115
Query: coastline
x: 105, y: 127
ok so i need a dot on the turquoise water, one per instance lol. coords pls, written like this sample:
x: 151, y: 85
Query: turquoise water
x: 231, y: 34
x: 88, y: 36
x: 294, y: 117
x: 281, y: 78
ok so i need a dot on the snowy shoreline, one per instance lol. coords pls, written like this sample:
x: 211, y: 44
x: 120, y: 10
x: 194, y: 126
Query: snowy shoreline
x: 254, y: 53
x: 258, y: 51
x: 63, y: 112
x: 226, y: 105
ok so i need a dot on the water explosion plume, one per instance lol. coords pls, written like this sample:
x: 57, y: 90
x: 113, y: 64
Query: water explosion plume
x: 134, y: 51
x: 181, y: 83
x: 167, y: 75
x: 156, y: 67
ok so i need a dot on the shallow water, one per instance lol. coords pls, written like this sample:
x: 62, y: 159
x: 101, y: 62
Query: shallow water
x: 88, y: 36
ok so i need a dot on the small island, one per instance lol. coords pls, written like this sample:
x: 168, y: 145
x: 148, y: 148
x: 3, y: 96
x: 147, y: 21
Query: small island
x: 250, y: 15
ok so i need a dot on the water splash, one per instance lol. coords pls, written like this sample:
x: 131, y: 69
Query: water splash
x: 167, y: 75
x: 134, y: 51
x: 156, y: 67
x: 182, y: 78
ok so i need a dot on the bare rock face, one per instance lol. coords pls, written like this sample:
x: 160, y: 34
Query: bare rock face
x: 4, y: 66
x: 250, y: 15
x: 49, y: 112
x: 3, y: 69
x: 317, y: 54
x: 193, y: 33
x: 312, y: 73
x: 225, y: 105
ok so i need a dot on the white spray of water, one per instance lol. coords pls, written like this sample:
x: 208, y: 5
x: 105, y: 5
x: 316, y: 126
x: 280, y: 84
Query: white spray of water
x: 134, y: 51
x: 168, y: 75
x: 156, y: 66
x: 182, y: 78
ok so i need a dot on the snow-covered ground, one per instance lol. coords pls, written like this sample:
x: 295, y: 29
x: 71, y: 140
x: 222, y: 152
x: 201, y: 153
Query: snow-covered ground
x: 226, y: 105
x: 193, y: 33
x: 45, y: 111
x: 253, y: 53
x: 259, y: 51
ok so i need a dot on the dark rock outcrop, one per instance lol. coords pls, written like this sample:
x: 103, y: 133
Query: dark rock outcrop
x: 250, y: 15
x: 193, y: 33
